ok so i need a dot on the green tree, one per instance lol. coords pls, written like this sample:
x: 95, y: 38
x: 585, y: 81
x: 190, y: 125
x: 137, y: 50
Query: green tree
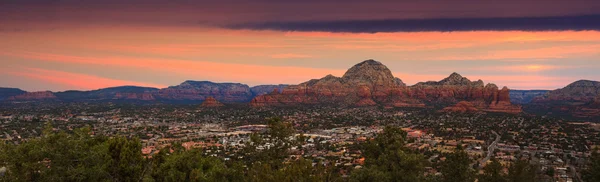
x: 301, y: 170
x: 192, y: 166
x: 23, y: 162
x: 125, y: 162
x: 592, y: 170
x: 75, y: 157
x: 550, y: 172
x: 522, y: 171
x: 386, y: 159
x: 457, y: 167
x: 56, y: 156
x: 275, y: 143
x: 493, y: 172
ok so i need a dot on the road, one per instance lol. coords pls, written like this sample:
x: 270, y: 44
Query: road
x: 491, y: 149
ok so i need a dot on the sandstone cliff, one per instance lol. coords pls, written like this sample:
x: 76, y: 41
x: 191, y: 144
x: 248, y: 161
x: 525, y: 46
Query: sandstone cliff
x: 461, y: 107
x: 368, y: 83
x: 44, y: 95
x: 265, y: 89
x: 200, y: 90
x: 371, y: 83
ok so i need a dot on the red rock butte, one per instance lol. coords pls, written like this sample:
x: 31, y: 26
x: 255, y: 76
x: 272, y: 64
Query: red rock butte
x: 371, y: 83
x: 211, y: 102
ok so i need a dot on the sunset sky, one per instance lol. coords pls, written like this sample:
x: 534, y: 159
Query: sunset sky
x: 62, y: 45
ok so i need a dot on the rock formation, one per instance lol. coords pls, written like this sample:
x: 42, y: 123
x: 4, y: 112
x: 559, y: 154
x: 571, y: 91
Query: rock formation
x: 265, y: 89
x: 452, y: 89
x: 200, y: 90
x: 461, y: 107
x: 579, y: 91
x: 188, y: 91
x: 371, y: 83
x: 502, y: 103
x: 368, y: 83
x: 6, y: 93
x: 457, y: 88
x: 211, y: 102
x: 130, y: 93
x: 146, y: 96
x: 44, y: 95
x: 361, y: 85
x: 578, y: 99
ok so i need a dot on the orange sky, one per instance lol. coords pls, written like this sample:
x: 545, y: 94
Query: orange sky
x: 95, y: 57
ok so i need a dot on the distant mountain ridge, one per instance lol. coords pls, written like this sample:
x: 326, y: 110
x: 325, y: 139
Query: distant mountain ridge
x: 5, y: 93
x: 38, y: 96
x: 525, y: 96
x: 368, y: 83
x: 580, y: 99
x: 188, y: 91
x: 200, y: 90
x: 122, y: 92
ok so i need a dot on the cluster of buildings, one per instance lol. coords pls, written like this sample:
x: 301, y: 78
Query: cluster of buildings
x: 560, y: 148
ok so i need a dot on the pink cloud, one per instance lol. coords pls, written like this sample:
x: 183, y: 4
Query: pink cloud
x: 244, y: 55
x: 521, y: 68
x: 258, y: 74
x: 253, y: 74
x: 528, y: 54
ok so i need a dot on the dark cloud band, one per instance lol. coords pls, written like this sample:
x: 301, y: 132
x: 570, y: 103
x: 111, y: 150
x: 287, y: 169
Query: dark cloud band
x: 577, y: 23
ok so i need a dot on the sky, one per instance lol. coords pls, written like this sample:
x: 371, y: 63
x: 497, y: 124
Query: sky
x: 62, y: 45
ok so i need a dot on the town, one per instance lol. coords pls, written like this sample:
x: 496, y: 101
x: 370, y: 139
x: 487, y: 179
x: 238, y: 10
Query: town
x: 559, y: 148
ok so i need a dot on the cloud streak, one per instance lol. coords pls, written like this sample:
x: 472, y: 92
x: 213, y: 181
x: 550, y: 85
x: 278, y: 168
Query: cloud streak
x: 220, y: 72
x: 168, y: 56
x: 76, y: 80
x: 290, y: 56
x: 555, y: 23
x: 539, y: 54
